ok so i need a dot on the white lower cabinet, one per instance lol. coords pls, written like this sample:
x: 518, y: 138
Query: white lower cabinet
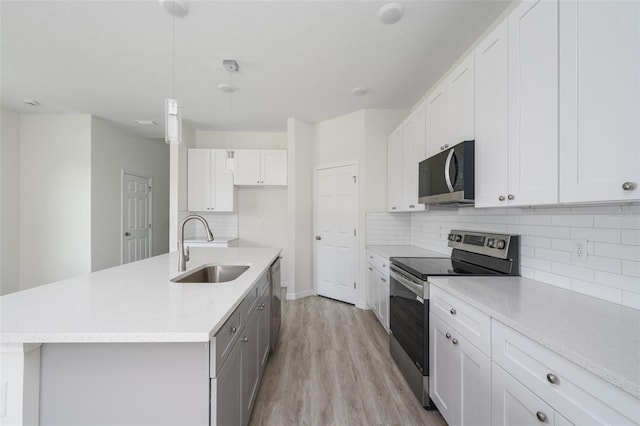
x: 459, y: 376
x: 378, y: 287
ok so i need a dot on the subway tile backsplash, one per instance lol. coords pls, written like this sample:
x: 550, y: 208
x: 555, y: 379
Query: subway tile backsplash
x: 611, y: 270
x: 221, y: 224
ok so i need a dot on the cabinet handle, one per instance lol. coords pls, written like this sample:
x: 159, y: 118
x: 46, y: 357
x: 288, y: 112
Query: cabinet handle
x: 393, y: 208
x: 261, y: 307
x: 371, y: 269
x: 412, y: 206
x: 552, y: 378
x: 384, y: 280
x: 454, y: 341
x: 446, y: 145
x: 501, y: 198
x: 448, y: 335
x: 510, y: 197
x: 127, y: 234
x: 244, y: 339
x: 452, y: 311
x: 541, y: 416
x: 384, y: 266
x: 628, y: 186
x: 233, y: 330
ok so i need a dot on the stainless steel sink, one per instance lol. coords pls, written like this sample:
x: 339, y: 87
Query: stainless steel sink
x: 212, y: 274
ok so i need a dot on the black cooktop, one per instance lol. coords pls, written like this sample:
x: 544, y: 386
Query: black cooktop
x: 423, y: 267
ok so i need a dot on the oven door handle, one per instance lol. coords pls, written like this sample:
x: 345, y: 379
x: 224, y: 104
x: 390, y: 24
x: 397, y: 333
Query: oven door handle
x: 414, y: 288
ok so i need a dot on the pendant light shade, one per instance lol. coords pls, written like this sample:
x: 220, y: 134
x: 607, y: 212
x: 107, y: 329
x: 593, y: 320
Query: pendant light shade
x: 173, y: 122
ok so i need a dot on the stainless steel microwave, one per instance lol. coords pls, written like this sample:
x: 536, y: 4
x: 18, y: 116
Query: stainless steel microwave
x: 447, y: 177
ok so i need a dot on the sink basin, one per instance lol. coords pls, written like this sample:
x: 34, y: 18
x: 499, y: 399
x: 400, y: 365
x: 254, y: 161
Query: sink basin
x: 212, y: 274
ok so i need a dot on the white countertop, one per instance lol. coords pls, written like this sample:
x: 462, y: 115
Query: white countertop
x: 404, y: 251
x: 136, y: 302
x: 601, y: 337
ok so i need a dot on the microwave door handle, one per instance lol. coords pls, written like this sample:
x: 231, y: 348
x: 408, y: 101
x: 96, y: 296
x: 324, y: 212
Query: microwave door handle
x: 457, y: 165
x: 447, y: 165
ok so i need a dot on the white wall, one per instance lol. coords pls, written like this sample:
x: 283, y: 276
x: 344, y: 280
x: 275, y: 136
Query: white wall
x: 300, y: 136
x: 178, y: 183
x: 55, y: 197
x: 612, y: 268
x: 113, y: 150
x: 9, y: 201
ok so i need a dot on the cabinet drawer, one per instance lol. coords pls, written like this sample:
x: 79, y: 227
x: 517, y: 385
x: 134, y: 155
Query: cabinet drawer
x: 223, y: 341
x: 378, y: 262
x: 467, y: 320
x: 575, y: 393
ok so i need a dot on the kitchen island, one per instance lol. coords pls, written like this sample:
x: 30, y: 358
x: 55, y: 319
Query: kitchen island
x: 144, y: 340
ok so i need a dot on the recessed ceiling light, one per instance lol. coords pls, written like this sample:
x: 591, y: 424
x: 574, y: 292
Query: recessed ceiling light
x: 359, y: 91
x: 177, y: 8
x: 224, y: 87
x: 146, y: 123
x: 390, y: 13
x: 31, y: 102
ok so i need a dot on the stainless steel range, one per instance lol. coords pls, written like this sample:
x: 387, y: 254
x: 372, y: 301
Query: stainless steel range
x: 474, y: 253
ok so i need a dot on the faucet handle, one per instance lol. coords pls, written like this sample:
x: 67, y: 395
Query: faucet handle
x: 186, y: 254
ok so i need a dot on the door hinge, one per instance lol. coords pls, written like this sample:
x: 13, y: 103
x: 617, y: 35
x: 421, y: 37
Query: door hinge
x: 354, y: 285
x: 354, y: 232
x: 354, y: 179
x: 149, y: 225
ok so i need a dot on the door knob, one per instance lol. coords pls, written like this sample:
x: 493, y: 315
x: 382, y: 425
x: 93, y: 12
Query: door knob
x: 628, y: 186
x: 318, y: 237
x: 127, y: 234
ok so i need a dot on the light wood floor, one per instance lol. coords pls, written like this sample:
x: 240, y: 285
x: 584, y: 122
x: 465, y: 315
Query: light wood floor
x: 332, y: 367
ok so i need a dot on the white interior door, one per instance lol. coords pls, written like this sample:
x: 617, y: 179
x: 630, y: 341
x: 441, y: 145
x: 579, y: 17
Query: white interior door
x: 136, y: 217
x: 336, y: 220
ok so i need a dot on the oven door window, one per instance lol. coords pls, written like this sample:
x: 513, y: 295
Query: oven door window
x: 407, y: 320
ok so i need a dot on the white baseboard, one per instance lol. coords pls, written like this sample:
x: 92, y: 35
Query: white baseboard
x: 301, y: 294
x: 363, y: 305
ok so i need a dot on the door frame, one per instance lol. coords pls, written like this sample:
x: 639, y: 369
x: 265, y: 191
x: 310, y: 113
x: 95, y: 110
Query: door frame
x: 150, y: 179
x: 315, y: 221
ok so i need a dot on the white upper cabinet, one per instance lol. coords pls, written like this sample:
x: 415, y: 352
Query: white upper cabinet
x: 254, y: 167
x: 461, y: 101
x: 414, y: 152
x: 491, y: 121
x: 395, y: 175
x: 517, y: 109
x: 533, y: 103
x: 599, y: 101
x: 438, y: 120
x: 209, y: 185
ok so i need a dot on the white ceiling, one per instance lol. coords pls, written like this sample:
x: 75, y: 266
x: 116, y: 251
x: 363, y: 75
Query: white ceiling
x: 297, y: 59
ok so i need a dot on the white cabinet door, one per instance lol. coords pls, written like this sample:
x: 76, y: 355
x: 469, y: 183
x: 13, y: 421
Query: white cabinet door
x: 395, y: 175
x: 384, y: 300
x: 222, y: 193
x: 199, y: 180
x: 533, y: 103
x: 413, y: 153
x: 442, y: 371
x: 514, y: 404
x: 274, y: 167
x: 461, y: 101
x: 373, y: 289
x: 247, y: 167
x: 474, y: 381
x: 438, y: 120
x: 599, y: 100
x: 491, y: 121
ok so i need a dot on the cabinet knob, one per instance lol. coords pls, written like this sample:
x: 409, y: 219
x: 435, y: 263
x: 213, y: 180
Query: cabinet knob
x: 452, y: 311
x: 628, y: 186
x: 448, y: 335
x: 510, y: 197
x: 393, y: 208
x: 261, y: 307
x: 454, y: 341
x: 244, y: 339
x: 541, y: 416
x: 501, y: 198
x: 412, y: 206
x: 318, y: 237
x: 446, y: 146
x: 233, y: 330
x: 552, y: 378
x: 370, y: 268
x: 384, y: 280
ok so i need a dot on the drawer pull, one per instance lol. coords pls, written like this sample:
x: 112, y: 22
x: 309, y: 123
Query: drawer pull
x: 370, y: 268
x: 452, y: 311
x: 233, y: 330
x: 261, y: 307
x: 552, y: 378
x: 541, y: 416
x: 448, y: 335
x: 454, y: 341
x: 244, y: 339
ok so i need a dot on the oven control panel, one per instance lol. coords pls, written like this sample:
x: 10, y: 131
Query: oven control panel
x: 496, y: 245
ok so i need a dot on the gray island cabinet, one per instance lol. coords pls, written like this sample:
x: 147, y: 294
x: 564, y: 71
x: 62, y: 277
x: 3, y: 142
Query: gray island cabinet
x: 140, y: 351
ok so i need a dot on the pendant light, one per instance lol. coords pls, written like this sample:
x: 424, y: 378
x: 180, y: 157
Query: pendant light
x: 231, y: 65
x: 172, y: 107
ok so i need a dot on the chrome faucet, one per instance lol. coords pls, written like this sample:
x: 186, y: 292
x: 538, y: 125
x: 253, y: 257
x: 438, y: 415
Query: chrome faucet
x: 183, y: 256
